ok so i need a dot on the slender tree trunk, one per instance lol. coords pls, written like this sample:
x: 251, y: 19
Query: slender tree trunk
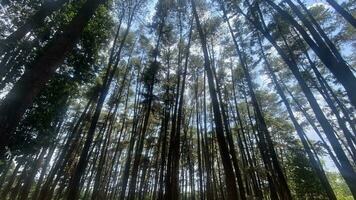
x: 327, y: 40
x: 312, y: 124
x: 111, y: 116
x: 337, y: 67
x: 319, y: 171
x: 126, y: 170
x: 197, y: 120
x: 328, y: 100
x: 230, y: 142
x: 11, y: 180
x: 140, y: 144
x: 343, y: 12
x: 283, y: 187
x: 68, y: 148
x: 15, y: 190
x: 173, y: 187
x: 74, y: 182
x: 164, y: 148
x: 30, y: 177
x: 43, y: 172
x: 4, y: 172
x: 347, y: 172
x: 232, y: 193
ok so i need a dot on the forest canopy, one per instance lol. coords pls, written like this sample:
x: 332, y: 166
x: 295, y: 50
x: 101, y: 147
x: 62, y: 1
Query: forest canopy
x: 177, y: 99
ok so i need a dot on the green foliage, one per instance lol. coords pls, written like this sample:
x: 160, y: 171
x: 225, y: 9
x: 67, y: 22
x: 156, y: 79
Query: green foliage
x: 149, y: 74
x: 339, y: 186
x: 302, y: 178
x: 39, y: 123
x: 37, y: 128
x: 85, y: 55
x: 156, y: 60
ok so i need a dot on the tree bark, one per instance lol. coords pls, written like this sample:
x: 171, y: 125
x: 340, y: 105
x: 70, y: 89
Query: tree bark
x: 41, y: 71
x: 348, y: 17
x: 232, y: 193
x: 337, y: 67
x: 265, y: 138
x: 319, y: 171
x: 347, y: 172
x: 34, y: 22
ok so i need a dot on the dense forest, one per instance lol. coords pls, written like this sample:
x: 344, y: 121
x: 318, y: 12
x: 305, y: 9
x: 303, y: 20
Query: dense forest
x: 178, y: 99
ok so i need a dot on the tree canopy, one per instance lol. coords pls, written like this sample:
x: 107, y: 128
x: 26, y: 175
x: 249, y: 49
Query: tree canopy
x: 177, y: 99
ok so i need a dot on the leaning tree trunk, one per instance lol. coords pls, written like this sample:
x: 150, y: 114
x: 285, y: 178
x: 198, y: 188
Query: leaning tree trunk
x: 319, y: 171
x: 34, y: 22
x: 348, y: 172
x: 328, y: 100
x: 268, y: 144
x: 40, y: 72
x: 343, y: 12
x: 337, y: 67
x: 31, y: 175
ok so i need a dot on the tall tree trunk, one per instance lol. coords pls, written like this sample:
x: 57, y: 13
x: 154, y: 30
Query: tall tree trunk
x: 41, y: 71
x: 347, y: 172
x: 43, y: 172
x: 5, y: 190
x: 343, y: 12
x: 197, y: 120
x: 111, y: 70
x: 248, y: 160
x: 318, y: 28
x: 34, y: 22
x: 67, y: 150
x: 173, y: 187
x: 313, y: 125
x: 337, y: 67
x: 223, y: 147
x: 134, y: 132
x: 164, y: 131
x: 265, y: 138
x: 230, y: 141
x: 140, y: 144
x: 319, y: 171
x: 111, y: 116
x: 15, y: 190
x: 31, y: 175
x: 328, y: 100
